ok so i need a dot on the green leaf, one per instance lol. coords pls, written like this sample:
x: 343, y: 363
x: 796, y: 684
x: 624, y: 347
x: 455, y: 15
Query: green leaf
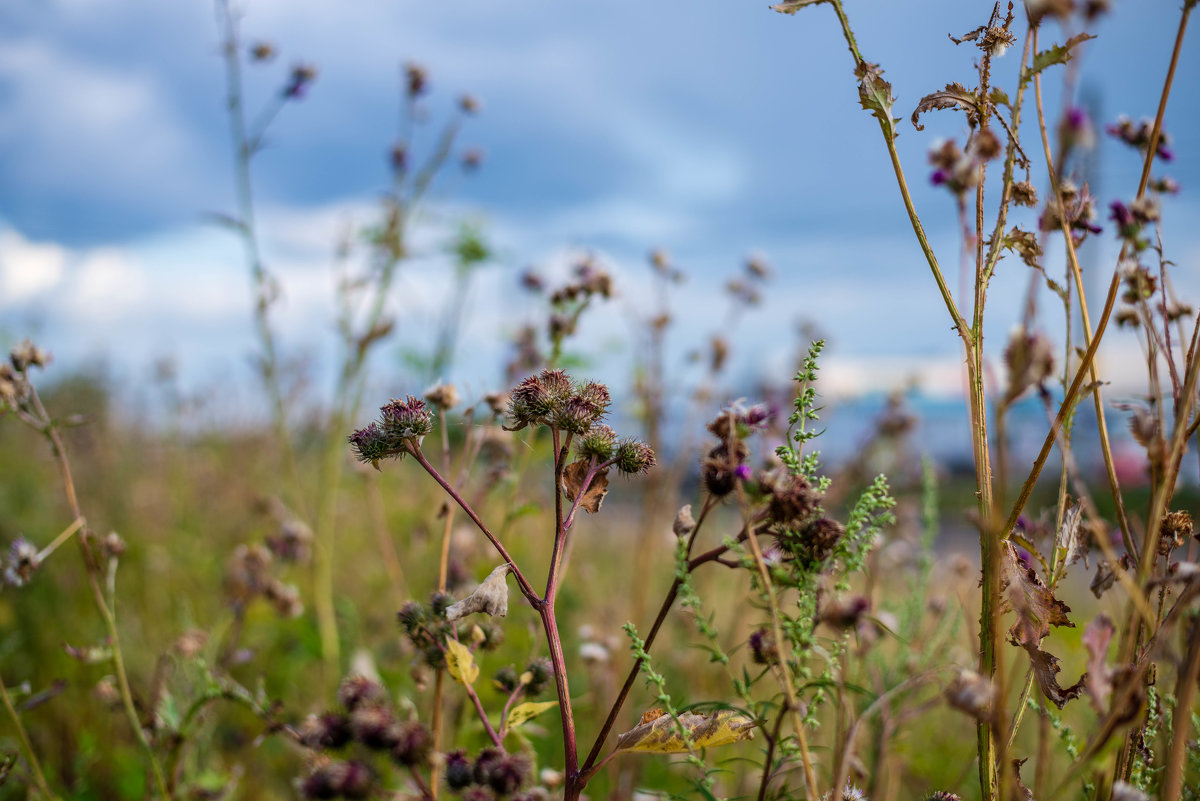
x: 461, y: 663
x: 875, y: 95
x: 1058, y: 54
x: 662, y: 735
x: 527, y: 711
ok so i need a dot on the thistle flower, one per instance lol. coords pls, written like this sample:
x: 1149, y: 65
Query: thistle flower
x: 763, y: 647
x: 406, y: 420
x: 338, y: 780
x: 599, y: 441
x: 331, y: 730
x: 358, y: 691
x: 413, y: 743
x: 373, y: 726
x: 633, y: 457
x: 459, y: 771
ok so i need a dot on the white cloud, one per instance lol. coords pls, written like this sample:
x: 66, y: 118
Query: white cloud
x: 28, y: 269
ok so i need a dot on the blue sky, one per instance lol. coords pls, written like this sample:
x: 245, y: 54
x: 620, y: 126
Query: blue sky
x: 709, y: 129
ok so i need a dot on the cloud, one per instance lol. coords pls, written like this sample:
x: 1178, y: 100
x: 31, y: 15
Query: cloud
x: 28, y: 269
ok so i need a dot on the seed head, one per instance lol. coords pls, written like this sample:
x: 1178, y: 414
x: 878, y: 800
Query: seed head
x: 459, y: 771
x: 331, y: 730
x: 370, y: 444
x: 540, y: 672
x: 634, y: 457
x: 301, y: 77
x: 373, y: 726
x: 413, y: 744
x: 763, y: 648
x: 338, y: 780
x: 599, y: 441
x: 262, y: 51
x: 469, y: 104
x: 26, y: 354
x: 442, y: 397
x: 22, y: 561
x: 406, y: 420
x: 1024, y: 194
x: 358, y: 691
x: 417, y: 79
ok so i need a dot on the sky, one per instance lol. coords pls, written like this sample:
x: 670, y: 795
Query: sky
x: 711, y: 130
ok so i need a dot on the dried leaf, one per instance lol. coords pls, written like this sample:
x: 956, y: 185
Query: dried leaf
x: 1024, y: 792
x: 661, y: 735
x: 526, y: 712
x: 1045, y: 671
x: 792, y: 6
x: 684, y: 522
x: 1067, y: 540
x: 572, y: 482
x: 461, y: 662
x: 969, y: 36
x: 1096, y: 637
x: 490, y: 597
x: 1058, y: 54
x: 875, y: 95
x: 954, y: 95
x: 1036, y: 607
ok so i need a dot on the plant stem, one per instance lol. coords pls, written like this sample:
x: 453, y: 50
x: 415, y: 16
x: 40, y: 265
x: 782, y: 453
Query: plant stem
x: 39, y: 778
x: 1185, y: 697
x: 526, y: 588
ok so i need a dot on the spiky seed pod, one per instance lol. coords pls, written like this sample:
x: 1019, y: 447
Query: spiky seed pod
x: 508, y: 773
x: 763, y: 648
x: 406, y: 420
x: 821, y: 536
x: 458, y: 769
x: 356, y: 691
x: 540, y: 672
x: 413, y: 743
x: 634, y: 457
x: 1176, y: 528
x: 506, y: 680
x: 792, y: 498
x: 485, y: 763
x: 576, y: 415
x: 370, y: 444
x: 330, y: 730
x: 443, y: 397
x: 530, y: 403
x: 373, y: 726
x: 597, y: 394
x: 557, y: 383
x: 599, y: 441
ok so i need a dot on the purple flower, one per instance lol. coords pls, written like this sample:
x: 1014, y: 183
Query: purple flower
x: 742, y: 471
x: 938, y: 177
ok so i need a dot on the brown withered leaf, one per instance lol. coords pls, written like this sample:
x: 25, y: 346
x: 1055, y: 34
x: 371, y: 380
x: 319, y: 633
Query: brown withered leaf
x: 572, y: 482
x: 1022, y: 791
x: 792, y: 6
x: 1096, y: 636
x: 490, y: 597
x: 954, y: 95
x: 1036, y: 607
x: 1067, y: 540
x: 1045, y: 671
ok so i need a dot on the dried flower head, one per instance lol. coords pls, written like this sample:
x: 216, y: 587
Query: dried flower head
x: 301, y: 77
x: 22, y: 561
x: 416, y: 79
x: 338, y: 780
x: 1023, y: 194
x: 1174, y: 531
x: 763, y: 648
x: 357, y: 691
x: 413, y: 743
x: 442, y: 397
x: 320, y: 732
x: 262, y: 51
x: 26, y: 354
x: 469, y: 104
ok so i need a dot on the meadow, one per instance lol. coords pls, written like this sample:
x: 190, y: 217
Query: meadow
x: 548, y: 590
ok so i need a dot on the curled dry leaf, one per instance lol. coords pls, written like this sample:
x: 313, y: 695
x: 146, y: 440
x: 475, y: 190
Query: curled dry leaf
x: 1096, y: 637
x: 1067, y: 540
x: 875, y: 95
x: 661, y: 735
x: 792, y: 6
x: 490, y: 597
x: 1037, y: 610
x: 954, y: 95
x: 572, y: 482
x: 1036, y: 607
x: 684, y: 522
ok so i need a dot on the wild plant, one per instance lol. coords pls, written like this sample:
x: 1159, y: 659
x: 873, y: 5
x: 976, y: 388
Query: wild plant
x: 1011, y: 581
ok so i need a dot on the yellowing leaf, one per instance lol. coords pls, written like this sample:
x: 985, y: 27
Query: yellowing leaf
x: 461, y: 662
x: 529, y: 710
x: 661, y: 735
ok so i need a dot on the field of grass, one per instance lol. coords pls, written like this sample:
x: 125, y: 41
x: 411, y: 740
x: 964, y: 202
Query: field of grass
x: 501, y: 597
